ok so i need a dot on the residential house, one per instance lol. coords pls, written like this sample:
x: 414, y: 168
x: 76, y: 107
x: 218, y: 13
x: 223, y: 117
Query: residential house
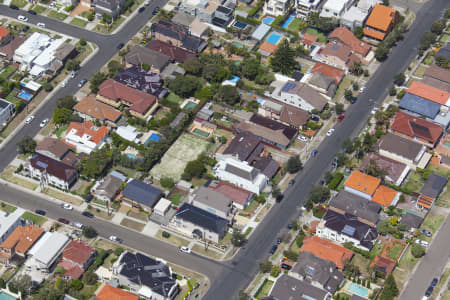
x: 430, y: 93
x: 177, y: 35
x: 90, y: 109
x: 318, y: 272
x: 129, y: 133
x: 416, y: 129
x: 241, y: 174
x: 383, y: 264
x: 110, y: 7
x: 182, y: 18
x: 141, y: 194
x: 266, y: 49
x: 365, y: 210
x: 145, y: 81
x: 240, y: 197
x: 403, y: 150
x: 344, y: 36
x: 108, y: 292
x: 267, y: 166
x: 198, y: 223
x: 362, y: 184
x: 411, y: 221
x: 76, y: 258
x: 386, y: 196
x: 203, y: 10
x: 145, y: 276
x: 140, y: 56
x: 287, y: 287
x: 353, y: 17
x: 430, y: 191
x: 57, y: 150
x: 198, y: 28
x: 213, y: 202
x: 206, y: 112
x: 305, y: 7
x: 436, y: 77
x: 9, y: 222
x: 32, y: 48
x: 162, y: 207
x: 300, y: 95
x: 337, y: 55
x: 335, y: 8
x: 276, y: 7
x: 380, y: 22
x: 8, y: 50
x: 52, y: 172
x: 7, y: 110
x: 5, y: 36
x: 334, y: 73
x: 108, y: 187
x: 327, y: 250
x: 140, y: 104
x: 308, y: 40
x: 175, y: 53
x: 223, y: 15
x: 13, y: 250
x: 345, y: 228
x: 260, y: 32
x: 245, y: 146
x: 395, y: 172
x: 86, y: 137
x: 283, y: 113
x: 432, y: 111
x: 46, y: 251
x: 323, y: 84
x: 367, y: 5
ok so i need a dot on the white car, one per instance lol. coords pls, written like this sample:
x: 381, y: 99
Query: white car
x: 77, y: 225
x: 185, y: 249
x: 303, y: 138
x: 64, y: 83
x: 42, y: 25
x: 422, y: 242
x: 67, y: 206
x: 362, y: 89
x: 374, y: 111
x: 29, y: 120
x: 330, y: 132
x: 22, y: 18
x: 43, y: 123
x: 115, y: 239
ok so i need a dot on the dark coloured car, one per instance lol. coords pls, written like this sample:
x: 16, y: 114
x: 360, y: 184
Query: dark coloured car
x: 26, y: 28
x: 30, y: 11
x: 87, y: 214
x: 291, y: 182
x: 434, y: 282
x: 314, y: 152
x: 155, y: 11
x: 141, y: 9
x: 279, y: 197
x: 64, y: 221
x: 354, y: 99
x: 429, y: 291
x: 120, y: 46
x: 289, y: 226
x: 40, y: 212
x: 12, y: 6
x: 278, y: 241
x: 315, y: 118
x: 82, y: 82
x: 273, y: 249
x: 88, y: 198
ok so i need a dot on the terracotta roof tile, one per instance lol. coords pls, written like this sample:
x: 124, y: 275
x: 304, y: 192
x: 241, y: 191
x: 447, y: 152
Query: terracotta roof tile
x: 384, y: 195
x: 237, y: 194
x: 22, y: 238
x: 430, y: 93
x: 96, y: 109
x: 3, y: 32
x: 329, y: 71
x: 383, y: 264
x: 97, y: 134
x: 308, y: 39
x: 73, y: 270
x: 339, y: 50
x: 416, y: 127
x: 381, y: 17
x: 362, y: 182
x: 268, y: 47
x: 327, y: 250
x: 346, y: 37
x: 109, y: 292
x: 78, y: 252
x: 176, y: 53
x: 374, y: 34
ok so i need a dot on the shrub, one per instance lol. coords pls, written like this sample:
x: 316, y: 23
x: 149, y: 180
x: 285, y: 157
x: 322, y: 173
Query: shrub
x: 165, y: 234
x: 76, y: 284
x: 401, y: 94
x: 2, y: 283
x: 118, y: 251
x: 291, y: 255
x: 417, y: 251
x: 167, y: 182
x: 12, y: 288
x: 334, y: 183
x: 275, y: 271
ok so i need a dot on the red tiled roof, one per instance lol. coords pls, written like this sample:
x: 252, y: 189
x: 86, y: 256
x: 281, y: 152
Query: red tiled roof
x: 308, y: 39
x: 109, y: 292
x: 383, y: 264
x: 347, y: 37
x: 96, y: 109
x: 78, y: 252
x: 374, y: 34
x: 140, y: 101
x: 416, y: 127
x: 384, y: 195
x: 332, y: 72
x: 268, y: 47
x: 326, y: 250
x: 72, y: 269
x: 22, y: 238
x: 176, y: 53
x: 3, y: 32
x: 362, y: 182
x: 96, y: 133
x: 238, y: 195
x: 428, y: 92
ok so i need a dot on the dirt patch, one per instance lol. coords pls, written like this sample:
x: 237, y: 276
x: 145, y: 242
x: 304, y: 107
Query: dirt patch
x: 132, y: 224
x: 209, y: 253
x: 173, y: 239
x: 100, y: 213
x: 134, y: 213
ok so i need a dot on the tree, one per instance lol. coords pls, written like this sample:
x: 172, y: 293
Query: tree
x: 319, y: 194
x: 275, y: 271
x: 356, y: 68
x: 251, y: 67
x: 194, y: 168
x: 193, y: 66
x: 228, y: 94
x: 113, y: 67
x: 66, y: 102
x: 348, y: 94
x: 48, y: 87
x: 390, y: 290
x: 89, y: 232
x: 347, y: 144
x: 185, y: 86
x: 385, y: 2
x: 95, y: 164
x: 26, y: 145
x: 355, y: 85
x: 417, y: 250
x: 392, y: 91
x: 283, y: 60
x: 399, y: 79
x: 62, y: 115
x: 90, y: 278
x: 238, y: 238
x: 72, y: 65
x: 22, y: 283
x: 442, y: 62
x: 358, y: 32
x: 438, y: 26
x: 381, y: 53
x: 294, y: 164
x: 2, y: 283
x: 210, y: 71
x: 82, y: 42
x: 167, y: 182
x: 426, y: 40
x: 265, y: 266
x: 76, y: 284
x: 339, y: 108
x: 328, y: 177
x: 96, y: 80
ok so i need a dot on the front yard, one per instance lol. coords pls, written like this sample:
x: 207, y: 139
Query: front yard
x: 57, y: 15
x: 63, y: 196
x: 264, y: 290
x: 79, y: 22
x: 394, y: 251
x: 35, y: 219
x: 173, y: 239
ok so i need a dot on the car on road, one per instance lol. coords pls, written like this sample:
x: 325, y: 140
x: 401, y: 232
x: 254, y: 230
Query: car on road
x: 40, y: 212
x: 291, y: 182
x: 353, y: 101
x: 429, y: 291
x: 155, y: 10
x: 32, y: 12
x: 73, y: 74
x: 374, y: 110
x: 434, y: 282
x: 341, y: 117
x: 426, y: 232
x: 279, y: 198
x: 77, y: 225
x: 314, y: 152
x: 64, y: 83
x: 303, y: 138
x: 87, y: 214
x: 185, y: 249
x: 120, y: 46
x: 22, y: 18
x: 67, y: 206
x: 422, y: 242
x: 115, y: 239
x: 330, y: 132
x: 147, y: 3
x: 278, y: 241
x: 29, y: 119
x: 43, y: 123
x: 362, y: 89
x: 141, y: 9
x: 64, y: 221
x: 12, y: 6
x: 82, y: 82
x: 273, y: 249
x: 42, y: 25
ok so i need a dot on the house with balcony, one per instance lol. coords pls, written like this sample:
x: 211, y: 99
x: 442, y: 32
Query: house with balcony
x: 52, y: 172
x: 380, y: 22
x: 7, y: 109
x: 76, y: 258
x: 177, y: 35
x: 14, y: 249
x: 85, y: 137
x: 213, y: 202
x: 335, y: 8
x: 299, y: 95
x: 304, y: 7
x: 276, y: 7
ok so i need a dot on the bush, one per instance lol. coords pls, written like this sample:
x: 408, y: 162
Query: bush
x: 417, y: 250
x: 76, y: 284
x: 401, y: 94
x: 265, y: 266
x: 334, y: 183
x: 118, y: 251
x: 299, y: 239
x: 275, y: 271
x: 12, y: 288
x: 165, y: 234
x: 167, y: 182
x: 89, y: 232
x: 2, y: 283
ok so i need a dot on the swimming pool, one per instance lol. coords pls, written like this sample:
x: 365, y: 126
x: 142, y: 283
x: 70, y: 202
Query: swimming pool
x: 240, y: 25
x: 23, y: 94
x: 190, y: 105
x: 359, y: 290
x: 130, y: 156
x: 267, y: 20
x: 5, y: 296
x: 237, y: 45
x: 201, y: 132
x: 235, y: 79
x: 153, y: 137
x: 274, y: 38
x: 288, y: 21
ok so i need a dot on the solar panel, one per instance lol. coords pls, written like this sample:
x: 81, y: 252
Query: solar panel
x: 41, y: 164
x: 288, y: 86
x: 349, y: 230
x: 420, y: 130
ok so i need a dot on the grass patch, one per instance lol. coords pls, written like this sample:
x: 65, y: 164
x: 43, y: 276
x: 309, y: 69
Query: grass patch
x: 8, y: 71
x: 414, y: 182
x: 264, y: 290
x: 19, y: 3
x: 394, y: 251
x: 89, y: 290
x: 209, y: 253
x: 376, y: 249
x: 420, y: 71
x: 57, y: 15
x: 61, y: 130
x: 176, y: 198
x: 320, y: 36
x: 244, y: 8
x: 79, y: 22
x: 138, y: 215
x: 345, y: 84
x: 9, y: 176
x: 408, y: 261
x: 444, y: 38
x: 438, y: 170
x: 128, y: 172
x: 63, y: 196
x: 35, y: 219
x: 432, y: 222
x: 132, y: 224
x: 39, y: 9
x: 173, y: 239
x: 173, y: 98
x: 7, y: 207
x: 429, y: 59
x: 296, y: 25
x: 100, y: 213
x: 444, y: 198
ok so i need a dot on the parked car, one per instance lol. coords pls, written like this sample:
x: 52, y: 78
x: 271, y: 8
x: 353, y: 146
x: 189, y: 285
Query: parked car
x: 120, y: 46
x: 291, y: 182
x: 141, y: 9
x: 330, y: 132
x: 273, y: 249
x: 82, y: 82
x: 341, y: 117
x: 279, y: 198
x: 155, y: 11
x: 303, y: 138
x: 289, y: 226
x: 278, y: 241
x: 429, y: 291
x: 185, y: 249
x: 362, y: 89
x: 77, y: 225
x: 12, y: 6
x: 426, y: 232
x: 374, y: 110
x: 88, y: 198
x: 314, y: 152
x: 87, y: 214
x: 64, y: 221
x: 22, y: 18
x: 315, y: 118
x: 422, y: 242
x: 147, y: 3
x: 67, y: 206
x: 115, y: 239
x: 32, y: 12
x: 64, y: 83
x: 353, y: 101
x: 73, y: 74
x: 29, y: 119
x: 434, y: 282
x: 40, y: 212
x: 42, y: 25
x: 43, y: 123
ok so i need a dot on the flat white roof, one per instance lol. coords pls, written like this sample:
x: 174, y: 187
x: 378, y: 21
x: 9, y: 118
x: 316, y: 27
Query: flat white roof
x: 334, y: 5
x: 261, y: 31
x: 32, y: 47
x: 162, y: 205
x: 7, y: 220
x: 48, y: 247
x: 354, y: 14
x: 127, y: 132
x: 48, y: 55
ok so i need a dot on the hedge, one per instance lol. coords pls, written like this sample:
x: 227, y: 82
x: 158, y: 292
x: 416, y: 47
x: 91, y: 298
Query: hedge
x: 255, y: 9
x: 334, y: 183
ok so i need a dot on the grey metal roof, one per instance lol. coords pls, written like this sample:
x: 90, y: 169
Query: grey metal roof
x: 400, y: 146
x: 289, y: 288
x: 267, y: 166
x: 420, y: 105
x: 411, y: 220
x: 212, y: 199
x: 261, y: 31
x: 142, y: 192
x: 241, y: 173
x: 433, y: 185
x: 357, y: 206
x: 202, y: 218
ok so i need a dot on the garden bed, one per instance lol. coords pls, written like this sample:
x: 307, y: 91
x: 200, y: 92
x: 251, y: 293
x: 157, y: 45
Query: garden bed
x: 264, y: 290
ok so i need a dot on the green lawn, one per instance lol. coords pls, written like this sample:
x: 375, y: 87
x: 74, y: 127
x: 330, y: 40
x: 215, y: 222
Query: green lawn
x: 173, y: 98
x: 35, y: 219
x: 376, y: 249
x: 420, y: 71
x: 176, y: 198
x: 414, y: 182
x: 296, y: 25
x: 438, y: 170
x: 19, y: 3
x: 12, y: 97
x: 244, y: 8
x: 395, y: 251
x: 57, y: 15
x: 8, y: 71
x: 7, y: 208
x: 264, y: 290
x: 61, y: 130
x: 444, y: 38
x: 345, y: 84
x: 432, y: 222
x: 320, y: 36
x: 79, y: 22
x: 39, y: 9
x: 444, y: 198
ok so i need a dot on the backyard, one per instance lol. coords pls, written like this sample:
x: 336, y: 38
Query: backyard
x: 321, y: 38
x: 8, y: 71
x: 394, y: 251
x: 296, y: 25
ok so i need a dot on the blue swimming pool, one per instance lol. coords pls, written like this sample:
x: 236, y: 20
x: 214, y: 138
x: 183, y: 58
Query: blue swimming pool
x: 274, y: 38
x: 5, y: 296
x: 267, y: 20
x: 359, y: 290
x: 131, y: 156
x: 235, y: 79
x: 240, y: 25
x: 153, y: 137
x: 288, y: 21
x: 23, y: 94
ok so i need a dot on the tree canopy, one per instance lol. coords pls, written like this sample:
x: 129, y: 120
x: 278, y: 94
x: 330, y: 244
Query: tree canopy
x: 227, y: 94
x: 185, y: 86
x: 26, y: 145
x: 283, y: 60
x: 294, y: 164
x: 390, y: 290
